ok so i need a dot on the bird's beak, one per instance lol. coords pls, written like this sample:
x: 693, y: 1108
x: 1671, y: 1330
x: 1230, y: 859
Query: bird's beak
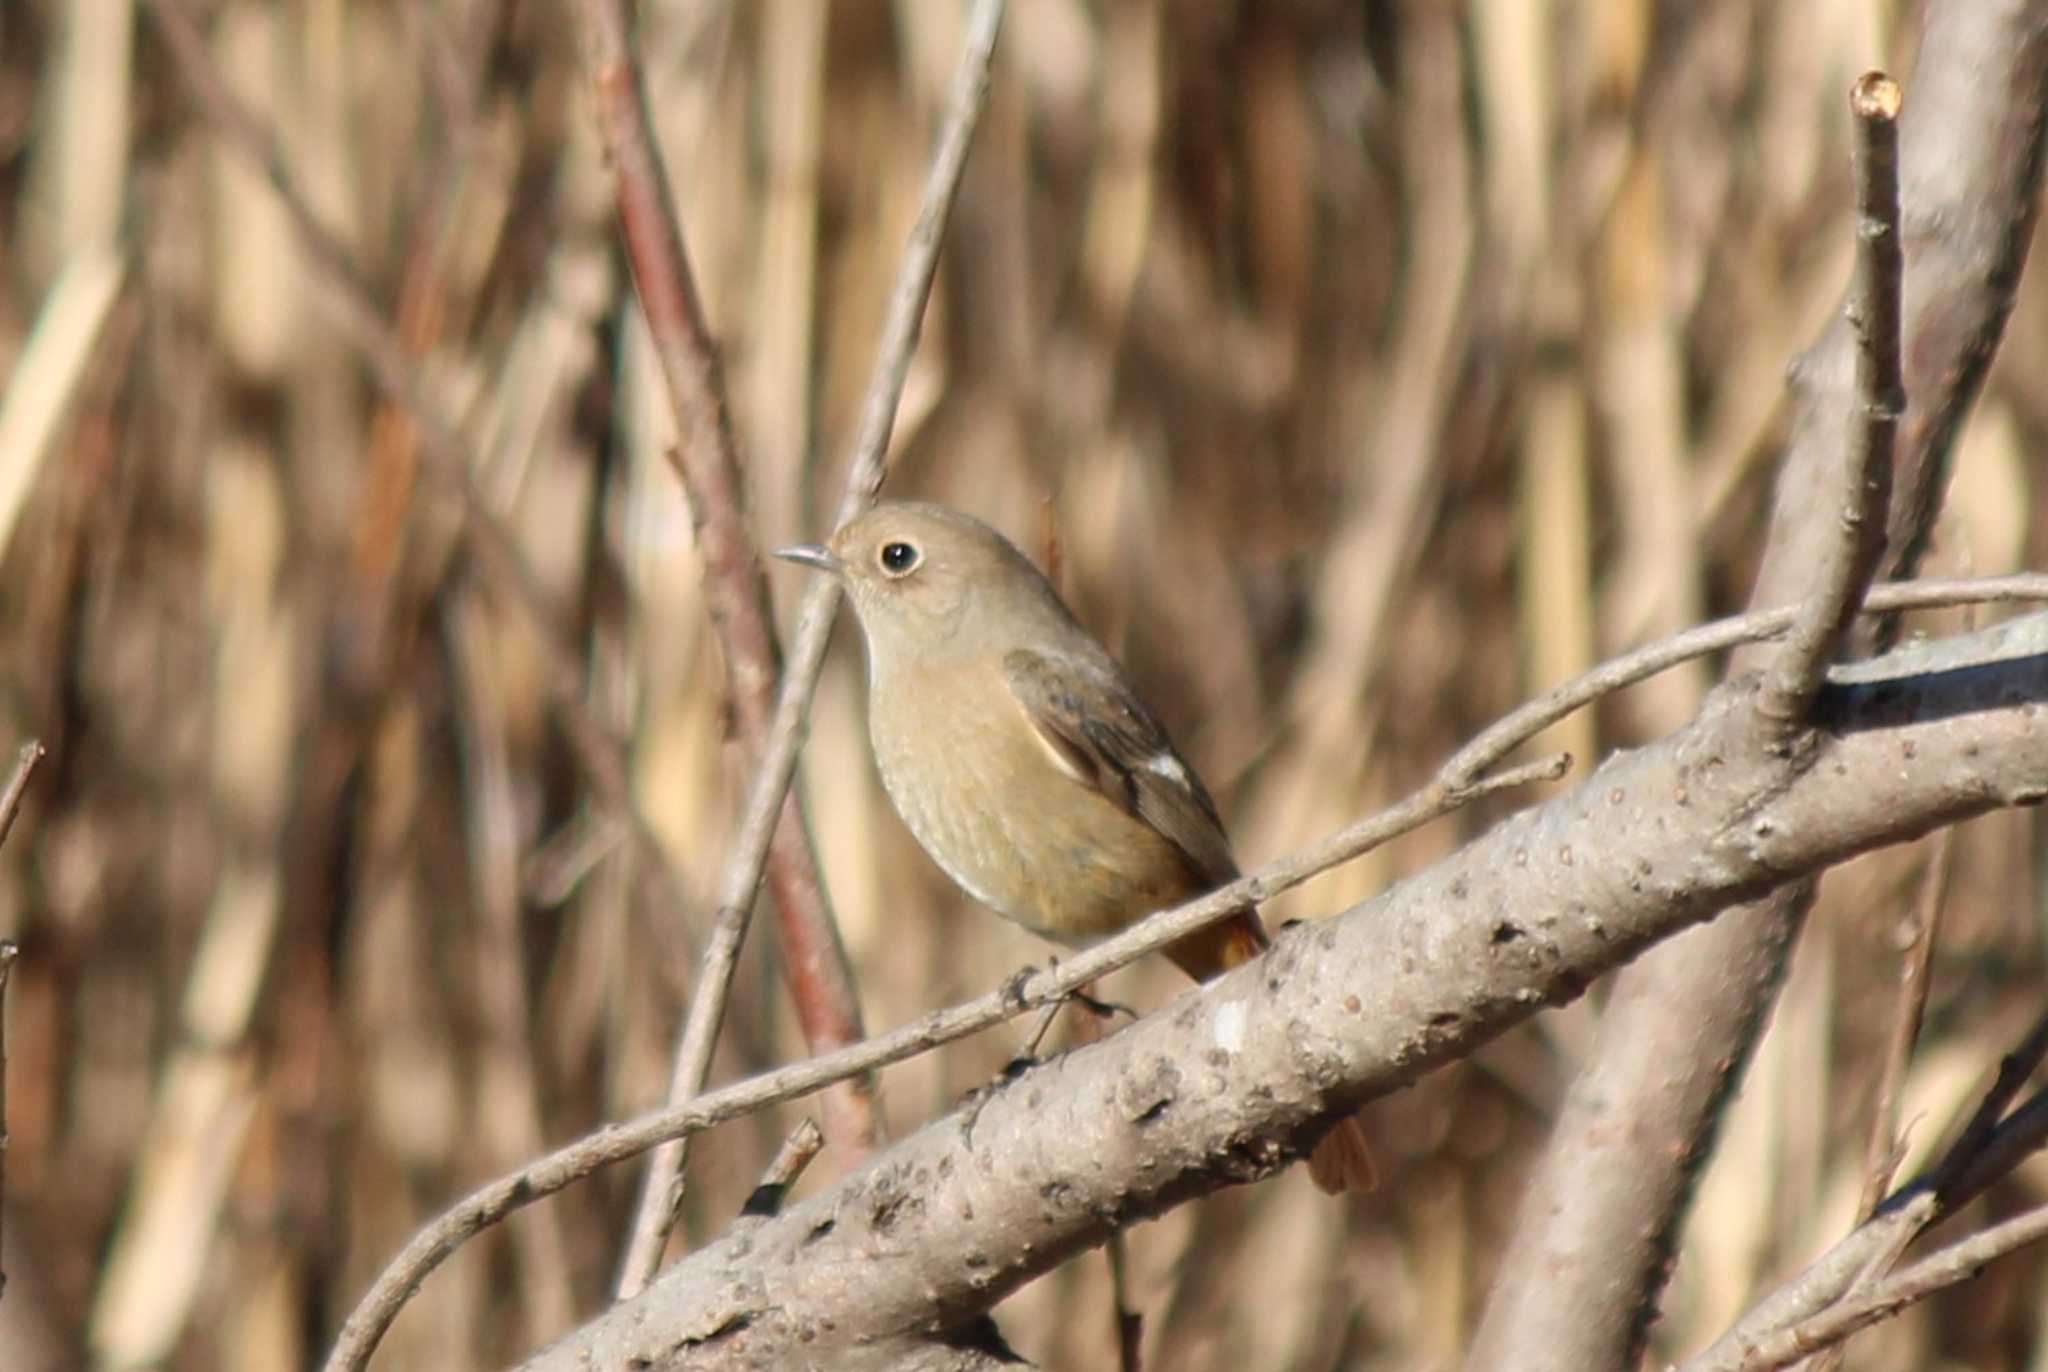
x: 811, y: 555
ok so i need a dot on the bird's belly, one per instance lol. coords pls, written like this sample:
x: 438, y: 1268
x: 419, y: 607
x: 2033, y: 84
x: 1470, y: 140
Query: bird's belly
x: 1021, y: 836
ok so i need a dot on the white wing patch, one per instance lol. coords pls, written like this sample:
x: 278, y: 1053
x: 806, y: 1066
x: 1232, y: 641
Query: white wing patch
x: 1168, y: 766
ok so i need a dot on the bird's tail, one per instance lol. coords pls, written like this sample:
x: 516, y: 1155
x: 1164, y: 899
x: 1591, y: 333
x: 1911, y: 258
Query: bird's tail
x: 1220, y: 946
x: 1342, y: 1160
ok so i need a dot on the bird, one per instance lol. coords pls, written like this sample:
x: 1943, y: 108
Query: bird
x: 1022, y: 759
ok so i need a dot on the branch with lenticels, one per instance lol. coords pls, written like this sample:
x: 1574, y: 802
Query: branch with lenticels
x: 1458, y: 782
x: 1580, y: 1282
x: 1233, y: 1082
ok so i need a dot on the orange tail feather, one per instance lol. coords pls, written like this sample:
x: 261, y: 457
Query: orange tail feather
x: 1342, y: 1161
x: 1226, y: 944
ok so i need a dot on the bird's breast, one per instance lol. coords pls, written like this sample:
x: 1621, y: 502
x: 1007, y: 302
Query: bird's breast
x: 969, y: 774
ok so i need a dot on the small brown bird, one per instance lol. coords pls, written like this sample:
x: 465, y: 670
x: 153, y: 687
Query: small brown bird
x: 1020, y: 757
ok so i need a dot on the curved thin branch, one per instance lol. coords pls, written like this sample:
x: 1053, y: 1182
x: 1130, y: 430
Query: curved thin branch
x: 1845, y: 1279
x: 1234, y: 1081
x: 1952, y: 1265
x: 1452, y: 788
x: 771, y: 831
x: 1029, y: 990
x: 1591, y: 1248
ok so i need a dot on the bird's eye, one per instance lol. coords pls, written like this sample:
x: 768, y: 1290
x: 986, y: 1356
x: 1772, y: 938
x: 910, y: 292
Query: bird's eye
x: 899, y: 558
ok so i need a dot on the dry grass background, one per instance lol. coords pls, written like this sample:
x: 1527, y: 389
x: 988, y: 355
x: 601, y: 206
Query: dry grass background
x: 1366, y: 366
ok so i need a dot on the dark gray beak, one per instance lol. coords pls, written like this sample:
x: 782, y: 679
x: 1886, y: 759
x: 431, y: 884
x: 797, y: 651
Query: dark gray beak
x: 811, y: 555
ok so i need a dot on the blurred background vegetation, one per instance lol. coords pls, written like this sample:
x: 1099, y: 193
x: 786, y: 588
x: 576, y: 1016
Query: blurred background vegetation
x: 1361, y: 368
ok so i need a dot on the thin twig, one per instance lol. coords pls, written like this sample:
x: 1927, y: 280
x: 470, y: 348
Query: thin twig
x: 2014, y: 1070
x: 661, y: 1194
x: 1881, y: 1152
x: 2018, y: 1137
x: 1513, y: 729
x: 1448, y: 791
x: 1030, y: 990
x: 1883, y: 1148
x: 10, y: 806
x: 9, y: 951
x: 1956, y: 1263
x: 707, y: 459
x: 17, y: 785
x: 1986, y: 1149
x: 1796, y: 673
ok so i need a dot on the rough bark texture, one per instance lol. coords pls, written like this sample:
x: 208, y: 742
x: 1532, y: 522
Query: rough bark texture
x: 1579, y: 1285
x: 1229, y: 1084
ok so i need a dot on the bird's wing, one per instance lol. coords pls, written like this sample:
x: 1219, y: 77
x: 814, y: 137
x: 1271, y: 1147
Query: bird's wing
x: 1110, y: 740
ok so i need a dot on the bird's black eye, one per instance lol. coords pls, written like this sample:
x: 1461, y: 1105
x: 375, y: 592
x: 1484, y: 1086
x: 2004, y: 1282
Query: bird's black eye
x: 899, y: 558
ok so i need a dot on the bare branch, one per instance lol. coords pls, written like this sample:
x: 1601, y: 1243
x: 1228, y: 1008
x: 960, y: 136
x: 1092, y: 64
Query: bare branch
x: 1883, y: 1148
x: 1978, y: 1155
x: 709, y: 463
x: 1971, y: 161
x: 707, y: 458
x: 1881, y: 1152
x: 1028, y: 991
x: 1527, y: 720
x: 491, y: 1203
x: 25, y: 762
x: 1984, y: 1150
x: 1865, y: 492
x: 1591, y: 1248
x: 1033, y: 1171
x: 1956, y: 1263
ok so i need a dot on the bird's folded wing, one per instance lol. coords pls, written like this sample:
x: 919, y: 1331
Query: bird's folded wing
x: 1112, y: 741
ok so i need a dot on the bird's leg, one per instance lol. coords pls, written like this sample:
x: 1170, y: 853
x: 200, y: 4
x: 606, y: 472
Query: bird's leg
x: 1101, y: 1009
x: 1027, y: 1057
x: 1085, y: 1031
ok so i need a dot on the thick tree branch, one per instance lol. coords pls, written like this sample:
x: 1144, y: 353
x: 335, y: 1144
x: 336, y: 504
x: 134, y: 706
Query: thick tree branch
x: 380, y: 1304
x: 1455, y: 785
x: 1971, y: 163
x: 1234, y: 1081
x: 1579, y: 1284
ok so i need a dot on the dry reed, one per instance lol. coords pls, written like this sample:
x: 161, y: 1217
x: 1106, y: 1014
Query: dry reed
x: 1379, y: 366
